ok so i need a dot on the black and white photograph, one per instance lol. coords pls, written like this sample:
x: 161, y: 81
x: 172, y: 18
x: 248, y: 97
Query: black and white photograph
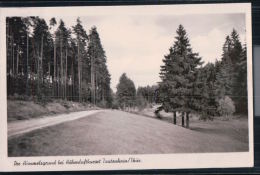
x: 127, y: 82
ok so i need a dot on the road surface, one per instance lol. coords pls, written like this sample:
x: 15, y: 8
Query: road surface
x: 111, y: 132
x: 24, y: 126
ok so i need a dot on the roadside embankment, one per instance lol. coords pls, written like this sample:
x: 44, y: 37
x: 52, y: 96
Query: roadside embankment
x: 22, y: 110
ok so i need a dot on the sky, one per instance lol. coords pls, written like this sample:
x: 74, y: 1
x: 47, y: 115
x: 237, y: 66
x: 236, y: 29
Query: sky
x: 136, y: 44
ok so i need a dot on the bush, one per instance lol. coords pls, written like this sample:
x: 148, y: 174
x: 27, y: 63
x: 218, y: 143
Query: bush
x: 205, y: 116
x: 157, y: 112
x: 226, y: 106
x: 16, y: 96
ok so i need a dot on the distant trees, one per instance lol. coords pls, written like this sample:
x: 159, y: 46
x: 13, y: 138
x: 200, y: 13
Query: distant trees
x: 44, y: 62
x: 148, y: 93
x: 146, y: 96
x: 211, y: 90
x: 127, y: 97
x: 126, y: 92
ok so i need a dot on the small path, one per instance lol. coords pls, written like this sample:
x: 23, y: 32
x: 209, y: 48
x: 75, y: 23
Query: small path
x: 24, y: 126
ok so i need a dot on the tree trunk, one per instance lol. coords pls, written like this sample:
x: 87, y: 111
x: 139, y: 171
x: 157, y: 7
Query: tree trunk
x: 49, y: 70
x: 182, y: 119
x: 92, y: 81
x: 72, y: 80
x: 58, y: 78
x: 174, y: 117
x: 66, y: 73
x: 79, y: 77
x: 54, y: 71
x: 7, y: 45
x: 187, y: 120
x: 96, y: 88
x: 61, y: 68
x: 27, y: 66
x: 103, y: 95
x: 38, y: 73
x: 17, y: 61
x: 41, y: 73
x: 13, y: 54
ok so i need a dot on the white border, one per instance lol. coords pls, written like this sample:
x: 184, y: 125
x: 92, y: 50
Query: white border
x: 154, y: 161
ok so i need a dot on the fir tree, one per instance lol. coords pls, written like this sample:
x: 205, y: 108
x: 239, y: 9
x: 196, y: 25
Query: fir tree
x: 178, y: 75
x: 231, y: 76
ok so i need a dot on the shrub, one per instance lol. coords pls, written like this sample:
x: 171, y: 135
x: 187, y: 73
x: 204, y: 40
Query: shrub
x: 157, y: 112
x: 226, y: 106
x: 205, y: 116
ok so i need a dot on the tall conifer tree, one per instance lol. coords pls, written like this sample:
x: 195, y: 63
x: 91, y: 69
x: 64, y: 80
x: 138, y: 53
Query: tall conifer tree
x: 178, y: 75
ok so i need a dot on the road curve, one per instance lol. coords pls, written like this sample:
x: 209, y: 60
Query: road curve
x: 113, y: 132
x: 20, y: 127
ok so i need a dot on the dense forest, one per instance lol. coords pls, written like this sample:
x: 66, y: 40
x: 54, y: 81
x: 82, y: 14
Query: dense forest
x: 52, y: 61
x: 216, y: 89
x: 65, y: 63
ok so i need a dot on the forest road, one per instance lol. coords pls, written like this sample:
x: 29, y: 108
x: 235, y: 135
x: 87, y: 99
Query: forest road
x: 112, y: 132
x: 24, y: 126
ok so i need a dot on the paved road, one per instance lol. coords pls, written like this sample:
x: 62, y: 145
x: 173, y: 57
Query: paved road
x: 116, y: 132
x: 24, y: 126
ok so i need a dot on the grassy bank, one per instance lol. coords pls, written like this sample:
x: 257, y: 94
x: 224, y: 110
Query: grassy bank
x: 168, y: 117
x: 235, y: 126
x: 22, y: 110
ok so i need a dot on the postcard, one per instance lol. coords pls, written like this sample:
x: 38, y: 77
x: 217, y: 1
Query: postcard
x: 126, y: 87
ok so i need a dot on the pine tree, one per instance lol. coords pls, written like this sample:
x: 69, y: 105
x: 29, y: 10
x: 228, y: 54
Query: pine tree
x: 82, y: 39
x: 63, y: 36
x: 100, y: 77
x: 53, y: 23
x: 28, y: 21
x: 16, y: 38
x: 42, y: 43
x: 178, y: 75
x: 54, y: 62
